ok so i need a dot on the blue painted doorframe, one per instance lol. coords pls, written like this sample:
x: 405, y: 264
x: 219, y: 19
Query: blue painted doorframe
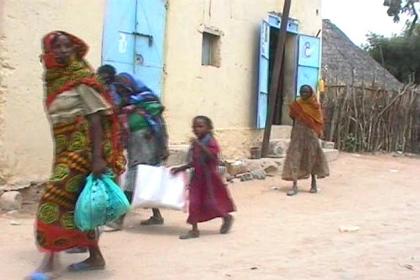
x: 264, y: 63
x: 134, y: 39
x: 308, y: 63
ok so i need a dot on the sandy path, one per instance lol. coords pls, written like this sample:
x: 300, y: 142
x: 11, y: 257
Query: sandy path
x: 274, y: 237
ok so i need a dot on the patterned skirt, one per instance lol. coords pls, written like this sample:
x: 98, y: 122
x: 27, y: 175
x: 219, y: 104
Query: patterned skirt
x: 55, y: 227
x: 304, y: 156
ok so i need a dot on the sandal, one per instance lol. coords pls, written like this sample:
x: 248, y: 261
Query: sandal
x: 84, y: 266
x: 40, y: 276
x: 153, y: 221
x: 292, y: 192
x: 227, y: 224
x: 313, y: 190
x: 77, y: 250
x: 190, y: 235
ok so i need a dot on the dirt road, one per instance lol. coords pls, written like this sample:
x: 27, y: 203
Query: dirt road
x: 274, y: 237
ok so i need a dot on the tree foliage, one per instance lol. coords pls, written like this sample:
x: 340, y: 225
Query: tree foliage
x: 400, y: 54
x: 396, y: 8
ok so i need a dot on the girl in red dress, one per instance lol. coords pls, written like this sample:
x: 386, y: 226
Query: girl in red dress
x: 209, y: 196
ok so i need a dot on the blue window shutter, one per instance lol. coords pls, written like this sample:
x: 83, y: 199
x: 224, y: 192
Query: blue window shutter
x: 263, y: 75
x: 309, y: 61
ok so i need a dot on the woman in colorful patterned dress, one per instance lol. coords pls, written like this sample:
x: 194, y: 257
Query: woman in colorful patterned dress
x: 86, y: 138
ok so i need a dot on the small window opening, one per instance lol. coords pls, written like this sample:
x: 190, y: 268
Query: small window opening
x: 210, y: 50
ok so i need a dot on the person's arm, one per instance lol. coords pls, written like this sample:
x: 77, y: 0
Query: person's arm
x: 206, y: 150
x: 181, y: 168
x: 99, y: 164
x: 95, y: 108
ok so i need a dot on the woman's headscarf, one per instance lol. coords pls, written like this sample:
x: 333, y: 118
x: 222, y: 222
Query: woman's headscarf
x: 308, y: 111
x: 130, y: 83
x: 59, y: 77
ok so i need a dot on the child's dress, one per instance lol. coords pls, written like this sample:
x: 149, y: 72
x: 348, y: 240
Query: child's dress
x: 209, y: 196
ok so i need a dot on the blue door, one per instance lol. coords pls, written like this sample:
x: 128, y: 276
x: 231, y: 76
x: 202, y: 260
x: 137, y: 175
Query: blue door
x: 134, y: 38
x: 150, y: 42
x: 309, y: 61
x: 263, y: 75
x: 118, y: 40
x: 264, y: 63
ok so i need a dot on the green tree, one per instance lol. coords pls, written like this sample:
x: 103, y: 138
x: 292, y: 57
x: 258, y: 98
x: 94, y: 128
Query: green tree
x: 396, y: 8
x: 400, y: 54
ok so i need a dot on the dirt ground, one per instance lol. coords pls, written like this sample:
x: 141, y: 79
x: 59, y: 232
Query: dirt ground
x: 274, y: 237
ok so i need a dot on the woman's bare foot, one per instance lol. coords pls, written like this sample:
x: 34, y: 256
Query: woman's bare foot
x: 46, y: 270
x: 87, y: 265
x: 293, y: 191
x: 313, y: 189
x: 152, y: 221
x: 190, y: 235
x: 227, y: 224
x: 95, y: 262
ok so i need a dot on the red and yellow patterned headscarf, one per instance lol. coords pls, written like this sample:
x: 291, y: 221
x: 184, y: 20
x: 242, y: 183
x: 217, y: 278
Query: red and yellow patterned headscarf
x: 59, y: 78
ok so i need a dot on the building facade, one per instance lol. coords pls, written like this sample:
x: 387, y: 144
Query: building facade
x: 201, y: 57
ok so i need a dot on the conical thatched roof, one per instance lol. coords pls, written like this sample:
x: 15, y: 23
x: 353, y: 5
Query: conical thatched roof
x: 340, y: 56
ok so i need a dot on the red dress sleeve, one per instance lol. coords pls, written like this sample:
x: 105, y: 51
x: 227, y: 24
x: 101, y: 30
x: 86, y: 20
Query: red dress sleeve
x: 213, y: 147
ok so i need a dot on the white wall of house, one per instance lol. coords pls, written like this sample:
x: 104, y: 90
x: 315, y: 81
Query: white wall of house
x: 227, y: 93
x: 25, y: 140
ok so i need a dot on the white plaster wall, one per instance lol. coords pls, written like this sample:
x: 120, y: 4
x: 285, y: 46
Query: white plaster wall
x: 25, y: 144
x: 227, y: 94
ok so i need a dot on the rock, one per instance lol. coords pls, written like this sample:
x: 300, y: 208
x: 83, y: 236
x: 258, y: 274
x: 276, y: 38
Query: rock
x: 229, y: 178
x: 11, y: 201
x: 236, y: 167
x: 259, y: 174
x: 349, y: 228
x: 12, y: 212
x: 278, y: 148
x: 252, y: 164
x: 328, y: 145
x: 245, y: 176
x: 270, y: 166
x: 236, y: 180
x: 15, y: 223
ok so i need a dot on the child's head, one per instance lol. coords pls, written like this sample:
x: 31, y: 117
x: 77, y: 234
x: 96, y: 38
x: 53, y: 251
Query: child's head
x: 202, y: 126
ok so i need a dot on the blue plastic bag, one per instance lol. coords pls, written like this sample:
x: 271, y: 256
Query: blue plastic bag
x: 100, y: 202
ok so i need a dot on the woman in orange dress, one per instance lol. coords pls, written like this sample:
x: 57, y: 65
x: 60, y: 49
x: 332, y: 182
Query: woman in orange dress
x: 305, y: 157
